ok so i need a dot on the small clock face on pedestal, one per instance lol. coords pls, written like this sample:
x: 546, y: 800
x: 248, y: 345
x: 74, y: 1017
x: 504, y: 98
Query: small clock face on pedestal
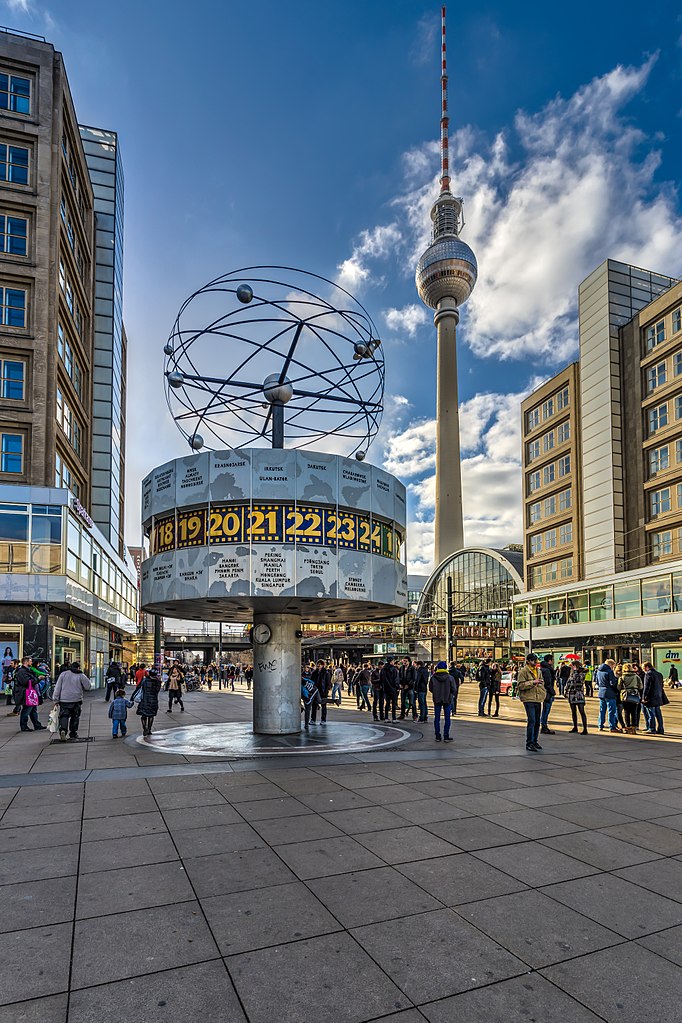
x: 261, y: 634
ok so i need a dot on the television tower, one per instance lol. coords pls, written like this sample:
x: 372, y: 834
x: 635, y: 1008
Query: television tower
x: 445, y: 277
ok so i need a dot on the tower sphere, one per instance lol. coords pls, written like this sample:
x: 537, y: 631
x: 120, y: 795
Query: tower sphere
x: 276, y: 390
x: 448, y: 269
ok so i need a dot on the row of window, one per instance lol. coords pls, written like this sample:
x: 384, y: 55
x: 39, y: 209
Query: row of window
x: 70, y: 360
x: 89, y: 564
x: 69, y: 162
x: 656, y: 333
x: 631, y: 598
x: 549, y: 408
x: 65, y: 477
x: 67, y: 289
x: 552, y: 438
x: 555, y: 470
x: 69, y: 424
x: 659, y: 458
x: 539, y: 510
x: 539, y: 575
x: 550, y: 539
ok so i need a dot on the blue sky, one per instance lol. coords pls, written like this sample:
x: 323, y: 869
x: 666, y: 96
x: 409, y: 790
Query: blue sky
x: 305, y: 133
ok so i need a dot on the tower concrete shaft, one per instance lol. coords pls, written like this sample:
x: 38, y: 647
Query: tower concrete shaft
x: 449, y: 525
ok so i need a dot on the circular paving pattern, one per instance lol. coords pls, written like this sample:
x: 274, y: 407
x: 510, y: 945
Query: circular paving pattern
x: 235, y: 739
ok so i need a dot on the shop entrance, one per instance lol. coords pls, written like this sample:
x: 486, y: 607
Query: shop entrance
x: 67, y: 648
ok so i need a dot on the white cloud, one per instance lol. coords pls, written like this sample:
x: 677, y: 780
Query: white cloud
x: 546, y: 201
x: 407, y: 319
x: 375, y: 244
x: 490, y: 434
x: 25, y: 6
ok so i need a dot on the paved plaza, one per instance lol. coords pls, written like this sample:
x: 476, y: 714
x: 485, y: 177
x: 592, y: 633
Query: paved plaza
x: 425, y: 882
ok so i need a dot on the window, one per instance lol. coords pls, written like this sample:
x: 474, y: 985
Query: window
x: 65, y: 478
x: 626, y: 600
x: 15, y: 94
x: 69, y: 296
x: 565, y: 500
x: 533, y: 481
x: 11, y: 452
x: 656, y: 595
x: 548, y: 440
x: 566, y: 533
x: 535, y: 544
x: 550, y: 539
x: 567, y: 568
x: 659, y: 460
x: 562, y: 399
x: 62, y: 208
x: 13, y: 164
x: 565, y: 466
x: 678, y: 451
x: 551, y: 571
x: 660, y: 502
x: 12, y: 380
x: 578, y: 610
x: 677, y: 364
x: 548, y: 474
x: 536, y: 576
x: 533, y: 450
x: 62, y: 276
x: 656, y: 377
x: 658, y: 417
x: 678, y: 407
x: 679, y: 495
x: 677, y: 320
x: 556, y: 611
x: 548, y: 409
x: 563, y: 433
x: 550, y: 506
x: 661, y: 544
x: 601, y: 604
x: 69, y: 423
x: 13, y: 235
x: 12, y: 307
x: 533, y: 419
x: 534, y: 512
x: 655, y: 335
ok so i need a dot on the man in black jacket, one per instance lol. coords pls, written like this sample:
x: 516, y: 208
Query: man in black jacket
x: 114, y: 680
x: 483, y: 679
x: 377, y: 692
x: 422, y: 688
x: 323, y: 681
x: 408, y: 678
x: 548, y: 680
x: 390, y: 682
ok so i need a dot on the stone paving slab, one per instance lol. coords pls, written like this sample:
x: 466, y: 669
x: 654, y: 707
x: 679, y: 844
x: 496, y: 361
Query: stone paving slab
x: 520, y: 1000
x: 626, y: 908
x: 369, y: 896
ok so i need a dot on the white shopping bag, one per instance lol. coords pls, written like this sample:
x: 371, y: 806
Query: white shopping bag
x: 53, y: 719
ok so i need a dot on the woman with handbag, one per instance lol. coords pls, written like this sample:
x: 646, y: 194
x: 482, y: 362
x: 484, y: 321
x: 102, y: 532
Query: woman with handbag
x: 629, y: 691
x: 27, y: 696
x: 574, y: 692
x: 148, y: 705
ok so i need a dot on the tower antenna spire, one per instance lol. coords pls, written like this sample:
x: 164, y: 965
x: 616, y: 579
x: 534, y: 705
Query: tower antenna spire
x: 444, y: 119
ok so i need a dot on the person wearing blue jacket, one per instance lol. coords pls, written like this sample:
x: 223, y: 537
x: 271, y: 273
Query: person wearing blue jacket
x: 118, y: 712
x: 310, y: 697
x: 607, y: 691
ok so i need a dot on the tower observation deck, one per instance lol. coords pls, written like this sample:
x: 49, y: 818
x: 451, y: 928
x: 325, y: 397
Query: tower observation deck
x: 445, y: 277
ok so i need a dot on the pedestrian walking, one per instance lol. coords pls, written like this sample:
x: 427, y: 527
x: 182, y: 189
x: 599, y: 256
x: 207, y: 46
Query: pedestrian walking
x: 175, y: 683
x: 548, y: 680
x: 322, y: 680
x: 377, y: 692
x: 390, y: 682
x: 442, y: 688
x: 483, y: 679
x: 673, y: 677
x: 148, y: 706
x: 494, y: 685
x: 118, y: 713
x: 421, y: 689
x: 630, y: 688
x: 310, y: 698
x: 68, y: 693
x: 113, y: 680
x: 607, y: 691
x: 27, y: 696
x: 532, y: 694
x: 337, y: 685
x: 408, y: 679
x: 361, y: 680
x: 574, y: 691
x: 653, y: 698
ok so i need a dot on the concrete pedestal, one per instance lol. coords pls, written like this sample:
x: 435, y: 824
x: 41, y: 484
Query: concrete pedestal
x: 277, y: 676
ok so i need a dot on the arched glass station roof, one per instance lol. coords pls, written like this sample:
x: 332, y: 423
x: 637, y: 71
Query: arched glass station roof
x: 484, y: 583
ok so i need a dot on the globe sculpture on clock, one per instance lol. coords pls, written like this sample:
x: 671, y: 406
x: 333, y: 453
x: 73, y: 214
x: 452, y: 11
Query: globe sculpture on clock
x: 275, y: 379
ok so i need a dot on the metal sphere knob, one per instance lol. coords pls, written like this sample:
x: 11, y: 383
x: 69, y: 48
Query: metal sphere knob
x: 168, y: 349
x: 276, y: 391
x: 176, y: 378
x: 361, y: 350
x: 360, y: 455
x: 244, y: 293
x: 196, y: 442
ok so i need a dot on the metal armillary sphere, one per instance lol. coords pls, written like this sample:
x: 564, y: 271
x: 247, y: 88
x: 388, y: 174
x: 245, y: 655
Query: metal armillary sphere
x: 260, y: 355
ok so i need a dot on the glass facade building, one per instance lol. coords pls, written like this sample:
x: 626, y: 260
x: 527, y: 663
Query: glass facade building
x: 103, y: 158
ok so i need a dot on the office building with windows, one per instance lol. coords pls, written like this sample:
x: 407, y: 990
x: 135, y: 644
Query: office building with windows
x: 60, y: 306
x: 604, y: 571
